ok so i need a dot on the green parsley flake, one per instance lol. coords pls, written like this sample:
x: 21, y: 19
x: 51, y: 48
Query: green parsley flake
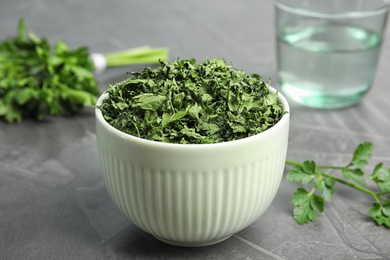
x: 189, y: 103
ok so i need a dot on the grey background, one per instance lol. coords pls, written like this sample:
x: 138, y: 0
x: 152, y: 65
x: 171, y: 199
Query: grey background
x: 53, y: 204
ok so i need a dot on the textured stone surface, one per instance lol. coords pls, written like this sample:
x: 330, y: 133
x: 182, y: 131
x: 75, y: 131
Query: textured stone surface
x: 53, y: 204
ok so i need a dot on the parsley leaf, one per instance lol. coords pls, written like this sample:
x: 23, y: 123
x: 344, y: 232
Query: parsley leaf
x: 192, y: 103
x: 381, y: 176
x: 361, y: 155
x: 37, y: 80
x: 354, y: 174
x: 308, y: 204
x: 326, y: 188
x: 303, y: 174
x: 380, y: 213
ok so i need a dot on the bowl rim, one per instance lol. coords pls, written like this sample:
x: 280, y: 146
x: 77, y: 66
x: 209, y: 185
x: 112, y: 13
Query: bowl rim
x: 142, y: 141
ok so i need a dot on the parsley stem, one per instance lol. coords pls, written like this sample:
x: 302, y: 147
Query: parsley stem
x: 383, y: 198
x: 377, y: 195
x: 293, y: 163
x: 347, y: 183
x: 136, y: 56
x: 330, y: 167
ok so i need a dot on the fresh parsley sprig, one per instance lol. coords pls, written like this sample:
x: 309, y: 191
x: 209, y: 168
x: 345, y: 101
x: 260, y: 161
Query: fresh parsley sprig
x: 38, y: 80
x: 309, y: 202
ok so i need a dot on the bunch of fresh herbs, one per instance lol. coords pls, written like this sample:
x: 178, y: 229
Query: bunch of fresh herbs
x: 37, y: 80
x: 192, y: 103
x: 309, y: 202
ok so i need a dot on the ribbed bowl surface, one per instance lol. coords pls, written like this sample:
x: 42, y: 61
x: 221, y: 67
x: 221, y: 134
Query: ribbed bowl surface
x: 192, y: 195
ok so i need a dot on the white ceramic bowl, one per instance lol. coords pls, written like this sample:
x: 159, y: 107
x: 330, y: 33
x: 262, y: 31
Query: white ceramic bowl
x: 192, y: 194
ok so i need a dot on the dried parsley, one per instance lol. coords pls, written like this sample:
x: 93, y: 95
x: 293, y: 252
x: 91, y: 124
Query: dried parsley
x: 189, y: 103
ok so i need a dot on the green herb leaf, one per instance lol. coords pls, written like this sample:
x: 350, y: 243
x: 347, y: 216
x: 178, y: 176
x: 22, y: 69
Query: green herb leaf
x: 309, y: 167
x: 361, y: 155
x: 149, y: 101
x: 354, y: 174
x: 37, y: 81
x: 381, y: 176
x: 306, y: 206
x: 326, y: 187
x: 305, y: 174
x: 192, y: 103
x: 381, y: 214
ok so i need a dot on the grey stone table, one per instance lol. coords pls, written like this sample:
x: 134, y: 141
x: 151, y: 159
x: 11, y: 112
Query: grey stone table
x: 53, y: 203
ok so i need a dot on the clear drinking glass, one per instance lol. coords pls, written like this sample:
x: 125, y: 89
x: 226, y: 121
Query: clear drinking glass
x: 328, y: 50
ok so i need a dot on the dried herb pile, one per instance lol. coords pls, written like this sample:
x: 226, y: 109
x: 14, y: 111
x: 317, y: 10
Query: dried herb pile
x: 189, y: 103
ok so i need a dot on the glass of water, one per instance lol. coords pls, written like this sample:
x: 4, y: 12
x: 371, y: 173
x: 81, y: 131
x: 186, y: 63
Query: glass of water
x: 328, y: 50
